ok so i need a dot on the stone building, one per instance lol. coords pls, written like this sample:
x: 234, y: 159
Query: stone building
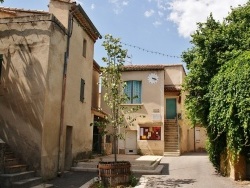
x: 46, y: 84
x: 161, y: 126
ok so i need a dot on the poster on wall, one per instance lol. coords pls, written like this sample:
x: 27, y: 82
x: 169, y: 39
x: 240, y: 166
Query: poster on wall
x: 150, y: 133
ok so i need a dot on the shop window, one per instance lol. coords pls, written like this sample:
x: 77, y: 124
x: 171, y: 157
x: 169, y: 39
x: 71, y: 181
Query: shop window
x: 150, y: 133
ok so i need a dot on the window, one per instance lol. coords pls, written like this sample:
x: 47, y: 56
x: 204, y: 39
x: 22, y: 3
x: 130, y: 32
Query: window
x: 84, y: 48
x: 82, y: 90
x: 150, y: 133
x: 133, y: 91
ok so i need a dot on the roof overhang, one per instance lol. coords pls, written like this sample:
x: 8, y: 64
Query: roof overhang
x: 85, y: 22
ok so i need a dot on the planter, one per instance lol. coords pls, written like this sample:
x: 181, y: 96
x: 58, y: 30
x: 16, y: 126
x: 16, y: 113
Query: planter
x: 114, y: 173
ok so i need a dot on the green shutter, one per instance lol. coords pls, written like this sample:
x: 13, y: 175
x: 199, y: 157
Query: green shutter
x: 136, y: 92
x: 127, y: 91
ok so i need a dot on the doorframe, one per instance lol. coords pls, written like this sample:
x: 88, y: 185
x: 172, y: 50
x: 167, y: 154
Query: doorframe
x: 127, y: 150
x: 68, y: 147
x: 165, y: 104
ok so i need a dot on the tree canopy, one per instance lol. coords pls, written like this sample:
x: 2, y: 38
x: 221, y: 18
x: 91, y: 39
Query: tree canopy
x: 218, y: 95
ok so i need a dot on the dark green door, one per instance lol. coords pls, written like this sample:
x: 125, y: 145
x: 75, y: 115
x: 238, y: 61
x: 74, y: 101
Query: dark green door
x: 171, y: 108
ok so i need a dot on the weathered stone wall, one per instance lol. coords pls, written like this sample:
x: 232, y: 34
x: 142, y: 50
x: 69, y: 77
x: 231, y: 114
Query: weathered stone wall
x: 234, y: 169
x: 25, y: 44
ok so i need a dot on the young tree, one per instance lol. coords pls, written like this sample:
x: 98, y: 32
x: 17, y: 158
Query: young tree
x: 113, y: 88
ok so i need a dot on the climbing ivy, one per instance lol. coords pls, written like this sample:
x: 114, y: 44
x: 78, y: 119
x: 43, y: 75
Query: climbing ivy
x: 229, y: 113
x: 218, y: 97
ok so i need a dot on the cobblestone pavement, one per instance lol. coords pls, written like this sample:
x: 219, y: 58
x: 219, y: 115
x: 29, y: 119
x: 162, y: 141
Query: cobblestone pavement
x: 189, y: 171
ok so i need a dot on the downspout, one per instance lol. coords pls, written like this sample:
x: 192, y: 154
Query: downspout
x: 66, y: 60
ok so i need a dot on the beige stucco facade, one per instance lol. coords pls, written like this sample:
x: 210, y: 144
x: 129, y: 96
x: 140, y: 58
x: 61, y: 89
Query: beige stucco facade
x: 41, y: 114
x: 150, y: 133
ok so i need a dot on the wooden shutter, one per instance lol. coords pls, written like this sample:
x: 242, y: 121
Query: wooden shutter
x: 136, y: 92
x: 127, y: 91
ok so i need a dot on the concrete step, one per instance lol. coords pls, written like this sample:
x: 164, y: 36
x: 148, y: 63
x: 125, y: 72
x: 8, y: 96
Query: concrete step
x: 43, y: 185
x: 7, y: 179
x: 9, y: 155
x: 171, y: 143
x: 172, y: 154
x: 11, y: 161
x: 171, y: 148
x: 15, y: 168
x: 171, y: 131
x: 27, y: 183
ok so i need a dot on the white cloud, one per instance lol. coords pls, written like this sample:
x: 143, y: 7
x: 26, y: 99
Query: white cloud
x: 118, y: 5
x: 186, y: 13
x: 92, y: 6
x: 162, y: 4
x: 161, y: 14
x: 149, y: 13
x: 125, y: 3
x: 157, y: 23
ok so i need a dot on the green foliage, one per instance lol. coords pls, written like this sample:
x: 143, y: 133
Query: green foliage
x: 133, y: 181
x: 1, y: 1
x: 229, y: 96
x: 212, y: 98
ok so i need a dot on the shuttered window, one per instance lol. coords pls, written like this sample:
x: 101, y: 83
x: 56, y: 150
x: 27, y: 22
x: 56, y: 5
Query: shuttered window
x: 82, y: 90
x: 133, y: 91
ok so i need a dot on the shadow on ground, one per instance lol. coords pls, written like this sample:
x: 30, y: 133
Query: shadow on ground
x: 164, y: 181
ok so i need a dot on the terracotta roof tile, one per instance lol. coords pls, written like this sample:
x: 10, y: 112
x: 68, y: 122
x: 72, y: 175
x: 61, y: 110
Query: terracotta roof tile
x: 148, y: 67
x: 13, y: 10
x: 172, y: 88
x: 143, y: 67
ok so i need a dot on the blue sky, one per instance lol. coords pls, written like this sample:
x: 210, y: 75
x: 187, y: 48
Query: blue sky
x: 153, y: 31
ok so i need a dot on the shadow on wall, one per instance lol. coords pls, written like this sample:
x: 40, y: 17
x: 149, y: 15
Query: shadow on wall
x: 22, y: 91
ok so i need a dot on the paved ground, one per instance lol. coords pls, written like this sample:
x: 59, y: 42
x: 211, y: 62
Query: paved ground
x: 188, y: 171
x: 72, y: 179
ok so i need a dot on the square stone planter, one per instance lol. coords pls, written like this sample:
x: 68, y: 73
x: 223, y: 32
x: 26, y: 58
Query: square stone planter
x: 114, y: 173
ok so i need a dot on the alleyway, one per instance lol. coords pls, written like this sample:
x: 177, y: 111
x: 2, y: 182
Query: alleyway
x: 189, y: 171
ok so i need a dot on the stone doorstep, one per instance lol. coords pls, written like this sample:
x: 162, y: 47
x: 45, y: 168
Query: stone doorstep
x: 15, y: 168
x: 43, y: 186
x: 18, y: 176
x: 27, y: 182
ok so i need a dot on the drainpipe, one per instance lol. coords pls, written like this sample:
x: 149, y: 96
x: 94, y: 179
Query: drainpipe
x: 66, y: 60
